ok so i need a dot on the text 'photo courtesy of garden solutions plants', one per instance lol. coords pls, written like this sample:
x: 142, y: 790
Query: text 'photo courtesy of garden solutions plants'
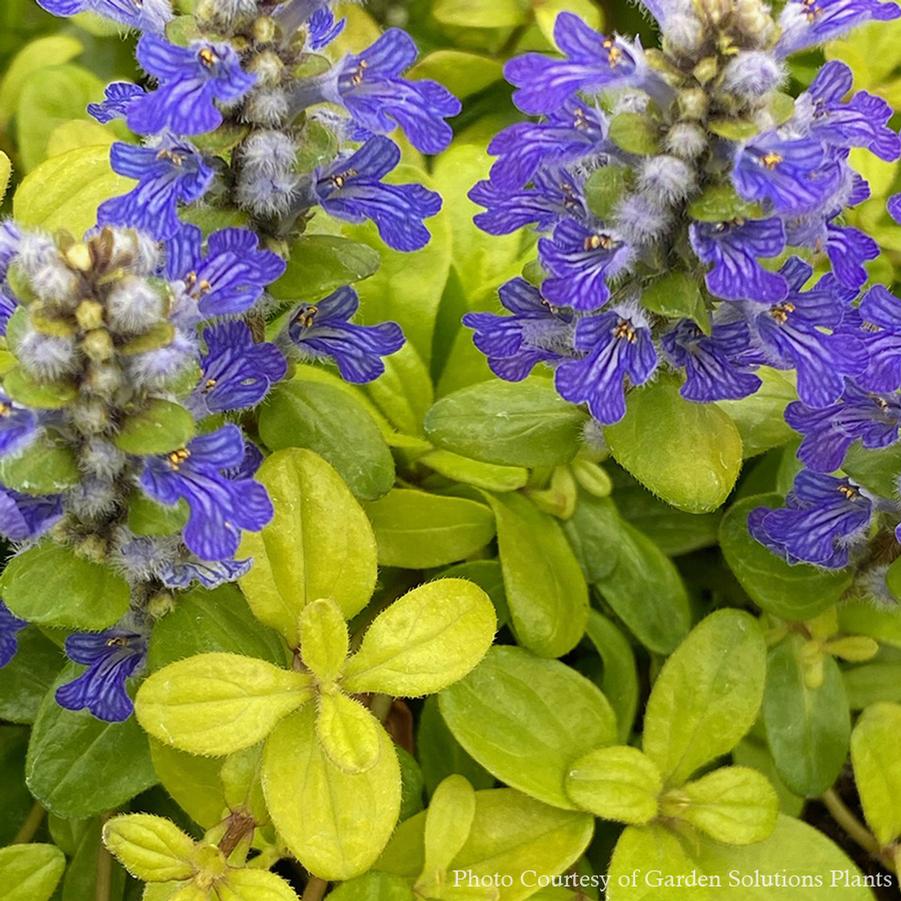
x: 450, y: 450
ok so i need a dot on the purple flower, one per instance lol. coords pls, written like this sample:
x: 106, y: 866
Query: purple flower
x: 168, y: 174
x: 371, y: 88
x: 119, y: 98
x: 323, y: 29
x: 237, y: 373
x: 805, y: 23
x: 230, y: 277
x: 847, y: 249
x: 352, y: 189
x: 881, y: 320
x: 145, y: 15
x: 873, y: 419
x: 18, y: 427
x: 734, y: 248
x: 791, y: 335
x: 191, y: 80
x: 323, y: 330
x: 570, y: 133
x: 582, y: 260
x: 111, y: 657
x: 821, y: 517
x: 593, y: 63
x: 27, y: 516
x: 535, y: 333
x: 209, y: 574
x: 219, y: 507
x: 618, y: 350
x: 10, y: 627
x: 784, y: 173
x: 713, y: 363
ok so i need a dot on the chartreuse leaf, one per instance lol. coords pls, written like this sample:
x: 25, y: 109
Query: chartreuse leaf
x: 318, y: 545
x: 192, y: 781
x: 30, y: 872
x: 47, y: 466
x: 345, y: 819
x: 792, y: 592
x: 428, y: 639
x: 687, y: 454
x: 877, y: 769
x: 473, y: 14
x: 241, y: 782
x: 53, y: 50
x: 218, y: 703
x: 759, y: 418
x: 514, y: 840
x: 348, y: 733
x: 527, y: 719
x: 6, y: 171
x: 618, y: 783
x: 734, y: 804
x: 490, y: 476
x: 52, y: 586
x: 404, y: 391
x: 323, y: 639
x: 546, y: 592
x: 462, y: 73
x: 256, y: 885
x: 447, y: 826
x: 373, y: 886
x: 162, y: 426
x: 808, y: 729
x: 337, y: 426
x: 418, y: 530
x: 707, y: 695
x: 65, y: 191
x: 619, y: 680
x: 151, y: 848
x: 510, y: 423
x: 319, y: 264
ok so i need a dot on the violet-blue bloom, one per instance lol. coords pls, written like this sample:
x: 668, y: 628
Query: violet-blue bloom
x: 145, y: 15
x: 593, y: 63
x: 191, y: 80
x: 322, y: 28
x: 806, y: 23
x: 219, y: 507
x: 209, y: 574
x: 230, y: 276
x: 733, y: 249
x: 236, y: 372
x: 582, y: 260
x: 618, y: 350
x: 323, y: 331
x: 27, y: 516
x: 352, y: 189
x: 10, y: 627
x: 18, y: 426
x: 168, y: 174
x: 713, y: 366
x: 535, y: 333
x: 822, y: 516
x: 118, y: 99
x: 881, y: 319
x: 111, y: 658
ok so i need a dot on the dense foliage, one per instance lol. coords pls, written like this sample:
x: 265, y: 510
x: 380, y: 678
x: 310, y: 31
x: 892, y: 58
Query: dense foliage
x: 449, y: 449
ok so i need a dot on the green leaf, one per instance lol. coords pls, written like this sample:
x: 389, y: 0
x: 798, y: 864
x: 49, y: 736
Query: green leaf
x: 53, y: 50
x: 162, y: 426
x: 30, y: 872
x: 345, y: 819
x: 720, y: 203
x: 26, y: 390
x: 151, y: 848
x: 416, y: 530
x: 791, y: 592
x: 475, y: 14
x: 322, y: 418
x: 51, y: 586
x: 78, y: 766
x: 348, y: 733
x: 688, y: 454
x: 618, y: 783
x: 489, y: 476
x: 323, y: 639
x: 604, y: 189
x: 6, y: 171
x: 635, y: 133
x: 64, y: 192
x: 760, y: 418
x: 808, y: 729
x: 428, y: 639
x: 707, y: 695
x: 509, y: 423
x: 677, y: 295
x: 373, y: 886
x: 26, y: 679
x: 877, y: 769
x: 546, y: 593
x: 462, y: 73
x: 258, y: 885
x: 147, y: 517
x: 46, y: 466
x: 193, y: 782
x: 76, y: 134
x: 218, y: 703
x: 82, y: 873
x: 619, y: 680
x: 320, y: 264
x: 448, y: 823
x: 318, y: 545
x: 735, y: 805
x: 204, y: 621
x: 513, y: 841
x: 404, y: 391
x: 527, y: 719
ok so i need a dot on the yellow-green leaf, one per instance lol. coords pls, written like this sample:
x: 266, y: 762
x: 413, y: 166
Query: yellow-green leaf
x: 151, y: 848
x: 348, y: 733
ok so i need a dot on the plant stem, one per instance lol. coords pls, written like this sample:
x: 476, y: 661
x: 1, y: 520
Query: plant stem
x: 315, y: 890
x: 30, y: 826
x: 103, y: 887
x: 856, y: 830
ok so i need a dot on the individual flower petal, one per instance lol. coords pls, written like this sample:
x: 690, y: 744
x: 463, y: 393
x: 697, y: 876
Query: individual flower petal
x: 119, y: 98
x: 806, y: 23
x: 27, y: 516
x: 145, y: 15
x: 10, y: 627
